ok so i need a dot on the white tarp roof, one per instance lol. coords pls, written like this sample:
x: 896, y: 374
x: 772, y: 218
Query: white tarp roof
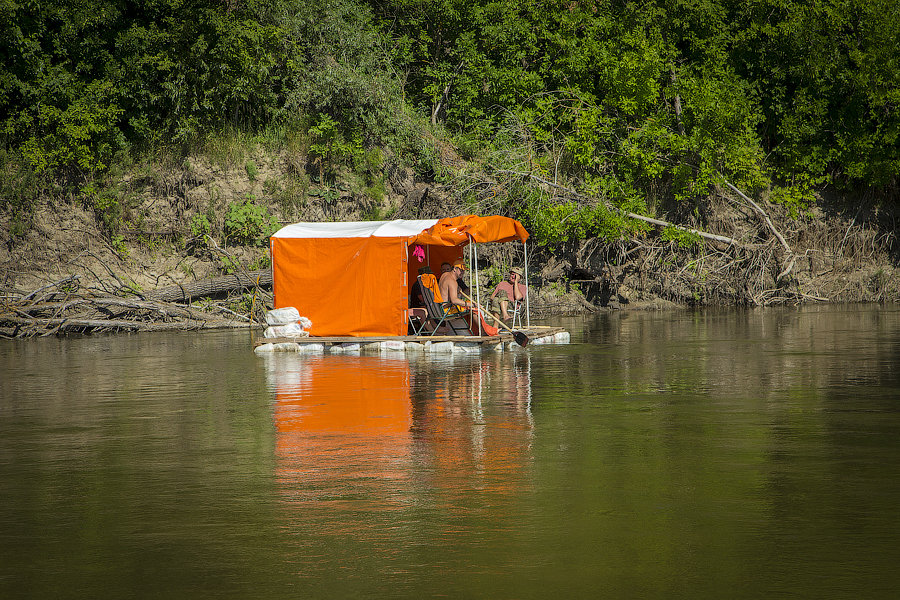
x: 395, y: 228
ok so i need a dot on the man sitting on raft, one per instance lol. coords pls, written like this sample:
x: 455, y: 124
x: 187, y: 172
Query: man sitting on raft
x: 449, y: 287
x: 508, y: 291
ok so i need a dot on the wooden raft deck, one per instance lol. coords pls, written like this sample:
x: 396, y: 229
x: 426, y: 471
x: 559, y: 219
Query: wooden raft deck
x: 534, y: 333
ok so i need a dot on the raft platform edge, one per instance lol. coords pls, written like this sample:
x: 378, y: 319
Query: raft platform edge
x: 536, y: 334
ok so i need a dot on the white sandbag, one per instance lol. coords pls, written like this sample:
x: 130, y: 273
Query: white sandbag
x: 310, y: 348
x: 348, y: 348
x: 285, y: 331
x: 469, y: 347
x: 304, y: 322
x: 282, y: 316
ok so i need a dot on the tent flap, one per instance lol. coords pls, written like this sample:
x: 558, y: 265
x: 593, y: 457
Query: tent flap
x: 457, y: 231
x: 345, y: 286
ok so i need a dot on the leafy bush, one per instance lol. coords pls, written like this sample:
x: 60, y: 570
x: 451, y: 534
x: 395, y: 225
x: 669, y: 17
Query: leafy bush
x: 685, y: 239
x: 252, y: 170
x: 118, y: 244
x: 80, y: 137
x: 200, y: 228
x: 106, y: 206
x: 796, y: 197
x: 330, y: 146
x: 247, y: 222
x: 20, y: 187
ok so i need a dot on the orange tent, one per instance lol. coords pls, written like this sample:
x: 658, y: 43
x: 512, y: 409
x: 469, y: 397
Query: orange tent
x: 352, y: 279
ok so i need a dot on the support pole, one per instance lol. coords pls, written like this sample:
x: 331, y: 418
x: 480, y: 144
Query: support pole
x: 473, y: 271
x: 527, y: 289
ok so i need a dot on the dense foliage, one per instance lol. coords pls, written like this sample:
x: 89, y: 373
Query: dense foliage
x: 662, y: 98
x: 86, y: 79
x: 631, y: 102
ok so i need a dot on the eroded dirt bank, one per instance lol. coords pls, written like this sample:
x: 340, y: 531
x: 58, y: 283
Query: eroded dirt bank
x: 172, y: 229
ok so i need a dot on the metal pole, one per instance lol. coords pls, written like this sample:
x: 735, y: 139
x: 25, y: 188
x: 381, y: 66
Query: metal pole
x: 527, y: 290
x: 473, y: 268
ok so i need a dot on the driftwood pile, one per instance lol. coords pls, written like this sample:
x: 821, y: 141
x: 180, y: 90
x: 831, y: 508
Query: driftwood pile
x: 66, y: 307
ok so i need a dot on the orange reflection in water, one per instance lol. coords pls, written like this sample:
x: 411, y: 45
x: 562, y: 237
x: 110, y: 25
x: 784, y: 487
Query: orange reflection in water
x: 335, y: 394
x: 473, y: 425
x: 340, y: 420
x: 375, y: 435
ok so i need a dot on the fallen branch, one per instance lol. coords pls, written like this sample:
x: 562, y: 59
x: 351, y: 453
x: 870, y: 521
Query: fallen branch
x: 162, y: 309
x: 764, y: 216
x: 583, y: 301
x: 78, y: 325
x: 70, y: 278
x: 228, y: 311
x: 107, y: 313
x: 659, y: 222
x: 788, y: 269
x: 811, y: 297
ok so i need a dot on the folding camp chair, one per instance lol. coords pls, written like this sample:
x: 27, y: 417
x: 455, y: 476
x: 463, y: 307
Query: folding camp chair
x: 515, y: 313
x: 438, y: 316
x: 418, y: 318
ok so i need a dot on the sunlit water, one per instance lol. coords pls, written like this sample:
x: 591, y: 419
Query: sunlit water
x: 717, y: 454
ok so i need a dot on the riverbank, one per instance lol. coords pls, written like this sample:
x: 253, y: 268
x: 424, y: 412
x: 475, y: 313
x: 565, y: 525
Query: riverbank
x: 178, y: 223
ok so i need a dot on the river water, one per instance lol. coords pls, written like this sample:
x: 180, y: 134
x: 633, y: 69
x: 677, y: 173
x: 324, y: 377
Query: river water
x: 713, y: 454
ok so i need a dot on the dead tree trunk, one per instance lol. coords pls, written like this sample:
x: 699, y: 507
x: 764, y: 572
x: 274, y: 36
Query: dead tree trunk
x: 212, y: 286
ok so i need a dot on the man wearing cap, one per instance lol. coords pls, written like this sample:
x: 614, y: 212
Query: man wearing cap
x: 508, y: 290
x: 449, y: 286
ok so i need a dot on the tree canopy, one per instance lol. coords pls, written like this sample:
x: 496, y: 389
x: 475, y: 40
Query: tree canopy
x: 630, y: 100
x: 805, y: 93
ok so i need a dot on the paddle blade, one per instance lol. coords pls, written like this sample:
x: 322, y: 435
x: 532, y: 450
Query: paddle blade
x: 520, y: 338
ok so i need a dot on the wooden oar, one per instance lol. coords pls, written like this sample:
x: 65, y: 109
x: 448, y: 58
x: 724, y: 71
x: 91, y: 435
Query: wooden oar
x: 521, y: 338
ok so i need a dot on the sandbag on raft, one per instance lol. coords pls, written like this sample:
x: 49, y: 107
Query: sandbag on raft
x: 286, y: 322
x: 282, y: 316
x: 285, y: 331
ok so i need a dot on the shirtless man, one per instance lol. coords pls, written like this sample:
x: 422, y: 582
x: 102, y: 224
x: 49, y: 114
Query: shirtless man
x: 450, y: 287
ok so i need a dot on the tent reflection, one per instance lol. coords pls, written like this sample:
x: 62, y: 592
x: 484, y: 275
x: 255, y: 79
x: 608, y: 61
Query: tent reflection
x: 340, y: 421
x: 472, y: 423
x: 378, y: 434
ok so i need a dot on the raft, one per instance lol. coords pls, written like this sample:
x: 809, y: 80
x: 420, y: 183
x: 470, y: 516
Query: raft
x: 412, y: 343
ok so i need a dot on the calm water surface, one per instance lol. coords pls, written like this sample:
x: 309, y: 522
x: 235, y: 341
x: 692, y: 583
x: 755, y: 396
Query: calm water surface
x: 717, y: 454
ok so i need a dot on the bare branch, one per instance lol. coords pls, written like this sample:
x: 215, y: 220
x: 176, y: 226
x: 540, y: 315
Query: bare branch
x: 764, y: 216
x: 652, y: 221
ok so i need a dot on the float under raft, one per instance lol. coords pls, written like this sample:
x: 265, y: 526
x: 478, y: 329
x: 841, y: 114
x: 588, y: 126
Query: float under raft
x: 412, y: 343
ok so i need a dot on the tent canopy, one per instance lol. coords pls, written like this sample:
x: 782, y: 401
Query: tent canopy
x: 450, y: 231
x: 352, y: 279
x: 457, y: 231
